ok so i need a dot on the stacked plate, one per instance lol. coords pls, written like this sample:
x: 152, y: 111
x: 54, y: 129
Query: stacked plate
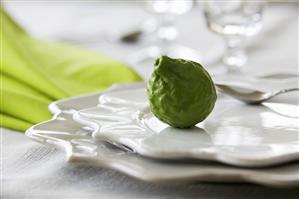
x: 115, y: 129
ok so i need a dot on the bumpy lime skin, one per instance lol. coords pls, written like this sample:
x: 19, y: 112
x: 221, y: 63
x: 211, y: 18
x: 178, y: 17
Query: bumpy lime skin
x: 181, y: 92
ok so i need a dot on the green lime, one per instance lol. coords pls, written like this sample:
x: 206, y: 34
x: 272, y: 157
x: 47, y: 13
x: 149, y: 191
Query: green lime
x: 181, y: 92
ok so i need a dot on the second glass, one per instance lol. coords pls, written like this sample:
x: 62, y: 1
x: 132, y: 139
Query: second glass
x: 234, y: 20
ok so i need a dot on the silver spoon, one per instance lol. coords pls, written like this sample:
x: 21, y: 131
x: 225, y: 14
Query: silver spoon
x: 250, y: 96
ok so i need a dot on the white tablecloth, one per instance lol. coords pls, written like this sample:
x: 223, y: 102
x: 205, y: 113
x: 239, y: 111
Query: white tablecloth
x: 31, y: 170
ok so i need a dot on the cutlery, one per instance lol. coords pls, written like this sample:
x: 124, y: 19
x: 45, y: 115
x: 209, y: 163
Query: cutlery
x: 132, y: 36
x: 250, y: 96
x: 148, y: 27
x: 279, y: 76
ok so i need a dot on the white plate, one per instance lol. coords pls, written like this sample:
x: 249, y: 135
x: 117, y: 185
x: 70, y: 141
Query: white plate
x: 69, y: 105
x: 235, y: 133
x: 80, y: 148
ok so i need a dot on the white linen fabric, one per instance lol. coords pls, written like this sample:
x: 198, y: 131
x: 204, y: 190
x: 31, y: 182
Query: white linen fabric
x: 31, y: 170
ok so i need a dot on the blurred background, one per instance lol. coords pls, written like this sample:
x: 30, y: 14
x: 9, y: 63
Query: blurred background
x: 108, y: 27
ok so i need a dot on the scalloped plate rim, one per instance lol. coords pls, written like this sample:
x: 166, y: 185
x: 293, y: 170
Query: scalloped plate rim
x: 217, y: 155
x: 211, y: 175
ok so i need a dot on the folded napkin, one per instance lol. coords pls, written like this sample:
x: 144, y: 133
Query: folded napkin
x: 35, y: 73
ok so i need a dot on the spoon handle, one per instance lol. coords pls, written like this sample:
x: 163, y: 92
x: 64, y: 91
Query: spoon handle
x: 286, y: 90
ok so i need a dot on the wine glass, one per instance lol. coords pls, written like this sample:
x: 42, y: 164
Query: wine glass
x: 166, y: 11
x: 234, y: 20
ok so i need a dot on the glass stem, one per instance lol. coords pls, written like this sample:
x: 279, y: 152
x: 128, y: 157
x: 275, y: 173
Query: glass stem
x: 235, y: 55
x: 166, y: 32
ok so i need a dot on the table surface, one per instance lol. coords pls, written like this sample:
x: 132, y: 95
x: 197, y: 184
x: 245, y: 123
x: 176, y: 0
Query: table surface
x: 31, y: 170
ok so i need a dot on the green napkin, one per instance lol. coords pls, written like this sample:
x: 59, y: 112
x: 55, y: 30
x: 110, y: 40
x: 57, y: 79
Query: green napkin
x: 17, y: 124
x: 23, y: 102
x: 34, y: 73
